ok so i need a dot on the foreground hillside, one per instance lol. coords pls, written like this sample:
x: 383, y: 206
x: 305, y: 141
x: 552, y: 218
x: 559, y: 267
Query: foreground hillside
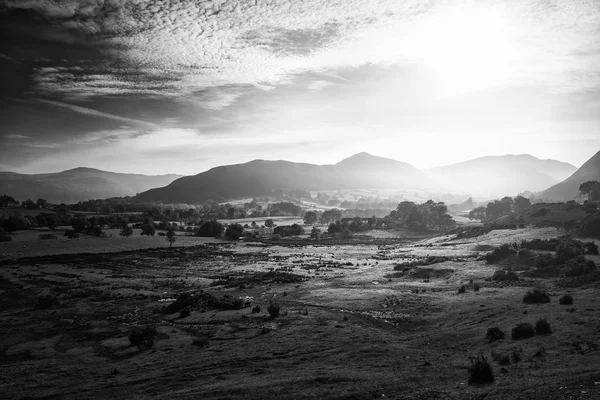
x: 354, y: 323
x: 78, y: 184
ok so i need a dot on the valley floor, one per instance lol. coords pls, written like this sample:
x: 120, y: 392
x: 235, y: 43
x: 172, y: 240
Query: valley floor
x: 351, y: 327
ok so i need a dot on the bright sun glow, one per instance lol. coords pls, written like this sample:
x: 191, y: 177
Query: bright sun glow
x: 469, y: 49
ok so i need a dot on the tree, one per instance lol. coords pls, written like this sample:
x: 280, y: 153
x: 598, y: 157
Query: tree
x: 42, y: 203
x: 315, y: 233
x: 269, y: 223
x: 4, y: 236
x: 148, y: 229
x: 171, y: 237
x: 231, y: 213
x: 522, y: 203
x: 79, y: 223
x: 331, y: 215
x: 591, y: 190
x: 234, y: 231
x: 477, y: 213
x: 126, y: 230
x: 310, y: 217
x: 210, y: 229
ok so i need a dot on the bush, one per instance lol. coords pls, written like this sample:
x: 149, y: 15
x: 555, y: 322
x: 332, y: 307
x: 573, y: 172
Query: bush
x: 501, y: 359
x: 47, y: 301
x: 273, y: 310
x: 480, y: 371
x: 499, y: 253
x: 142, y: 338
x: 47, y: 236
x: 502, y: 275
x: 523, y: 330
x: 590, y: 248
x: 476, y: 287
x: 566, y: 300
x: 542, y: 327
x: 591, y: 227
x: 539, y: 244
x: 200, y: 342
x: 494, y: 334
x: 544, y: 260
x: 578, y: 266
x: 536, y: 296
x: 256, y: 309
x: 4, y: 236
x: 462, y: 289
x: 234, y: 231
x: 184, y: 313
x: 567, y: 251
x: 71, y: 234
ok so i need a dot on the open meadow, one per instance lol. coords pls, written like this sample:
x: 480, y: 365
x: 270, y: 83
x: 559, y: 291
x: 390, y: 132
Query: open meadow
x: 355, y: 321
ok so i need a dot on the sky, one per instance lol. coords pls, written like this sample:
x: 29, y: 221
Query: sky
x: 178, y: 86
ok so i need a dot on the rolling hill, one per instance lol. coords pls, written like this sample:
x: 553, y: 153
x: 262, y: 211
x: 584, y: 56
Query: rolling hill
x: 78, y: 184
x: 497, y: 176
x: 261, y: 178
x: 568, y: 189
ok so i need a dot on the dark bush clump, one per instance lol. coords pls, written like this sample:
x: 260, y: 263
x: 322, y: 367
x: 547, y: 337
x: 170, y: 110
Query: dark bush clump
x: 200, y: 342
x: 480, y: 371
x: 256, y: 309
x: 47, y: 301
x: 229, y: 302
x: 184, y: 313
x: 590, y: 248
x: 4, y: 236
x: 544, y: 260
x: 523, y: 330
x: 47, y: 236
x: 499, y: 253
x: 476, y: 287
x: 567, y: 251
x: 566, y: 300
x: 536, y: 296
x: 273, y: 310
x: 501, y: 359
x: 494, y: 334
x: 539, y: 244
x: 71, y: 234
x: 142, y: 338
x: 502, y: 275
x: 578, y: 266
x: 462, y: 289
x: 542, y: 327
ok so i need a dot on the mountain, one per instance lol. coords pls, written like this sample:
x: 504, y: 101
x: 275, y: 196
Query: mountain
x: 262, y: 178
x: 78, y: 184
x: 569, y: 188
x: 499, y: 176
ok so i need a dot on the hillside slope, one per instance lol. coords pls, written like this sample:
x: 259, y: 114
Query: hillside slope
x: 568, y: 189
x: 78, y: 184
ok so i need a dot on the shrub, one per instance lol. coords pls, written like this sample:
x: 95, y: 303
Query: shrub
x: 47, y: 236
x: 499, y: 253
x: 494, y: 334
x: 515, y: 356
x: 544, y: 260
x: 480, y: 371
x: 462, y: 289
x: 273, y: 310
x: 591, y: 227
x: 566, y: 300
x: 476, y: 287
x: 47, y: 301
x: 256, y: 309
x: 523, y: 330
x: 590, y: 248
x: 536, y: 296
x: 502, y: 275
x: 539, y: 244
x: 71, y: 234
x: 142, y: 338
x: 577, y: 266
x: 542, y: 327
x: 567, y: 251
x: 4, y: 236
x: 184, y: 313
x: 200, y: 342
x: 501, y: 359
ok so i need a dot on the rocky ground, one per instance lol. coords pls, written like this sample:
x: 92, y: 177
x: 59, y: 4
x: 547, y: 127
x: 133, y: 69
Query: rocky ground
x: 350, y: 325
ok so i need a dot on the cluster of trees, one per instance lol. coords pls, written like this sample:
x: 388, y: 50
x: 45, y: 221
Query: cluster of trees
x: 590, y: 190
x: 426, y: 216
x: 499, y: 208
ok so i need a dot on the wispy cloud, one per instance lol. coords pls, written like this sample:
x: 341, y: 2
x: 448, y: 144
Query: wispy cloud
x: 15, y: 136
x: 96, y: 113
